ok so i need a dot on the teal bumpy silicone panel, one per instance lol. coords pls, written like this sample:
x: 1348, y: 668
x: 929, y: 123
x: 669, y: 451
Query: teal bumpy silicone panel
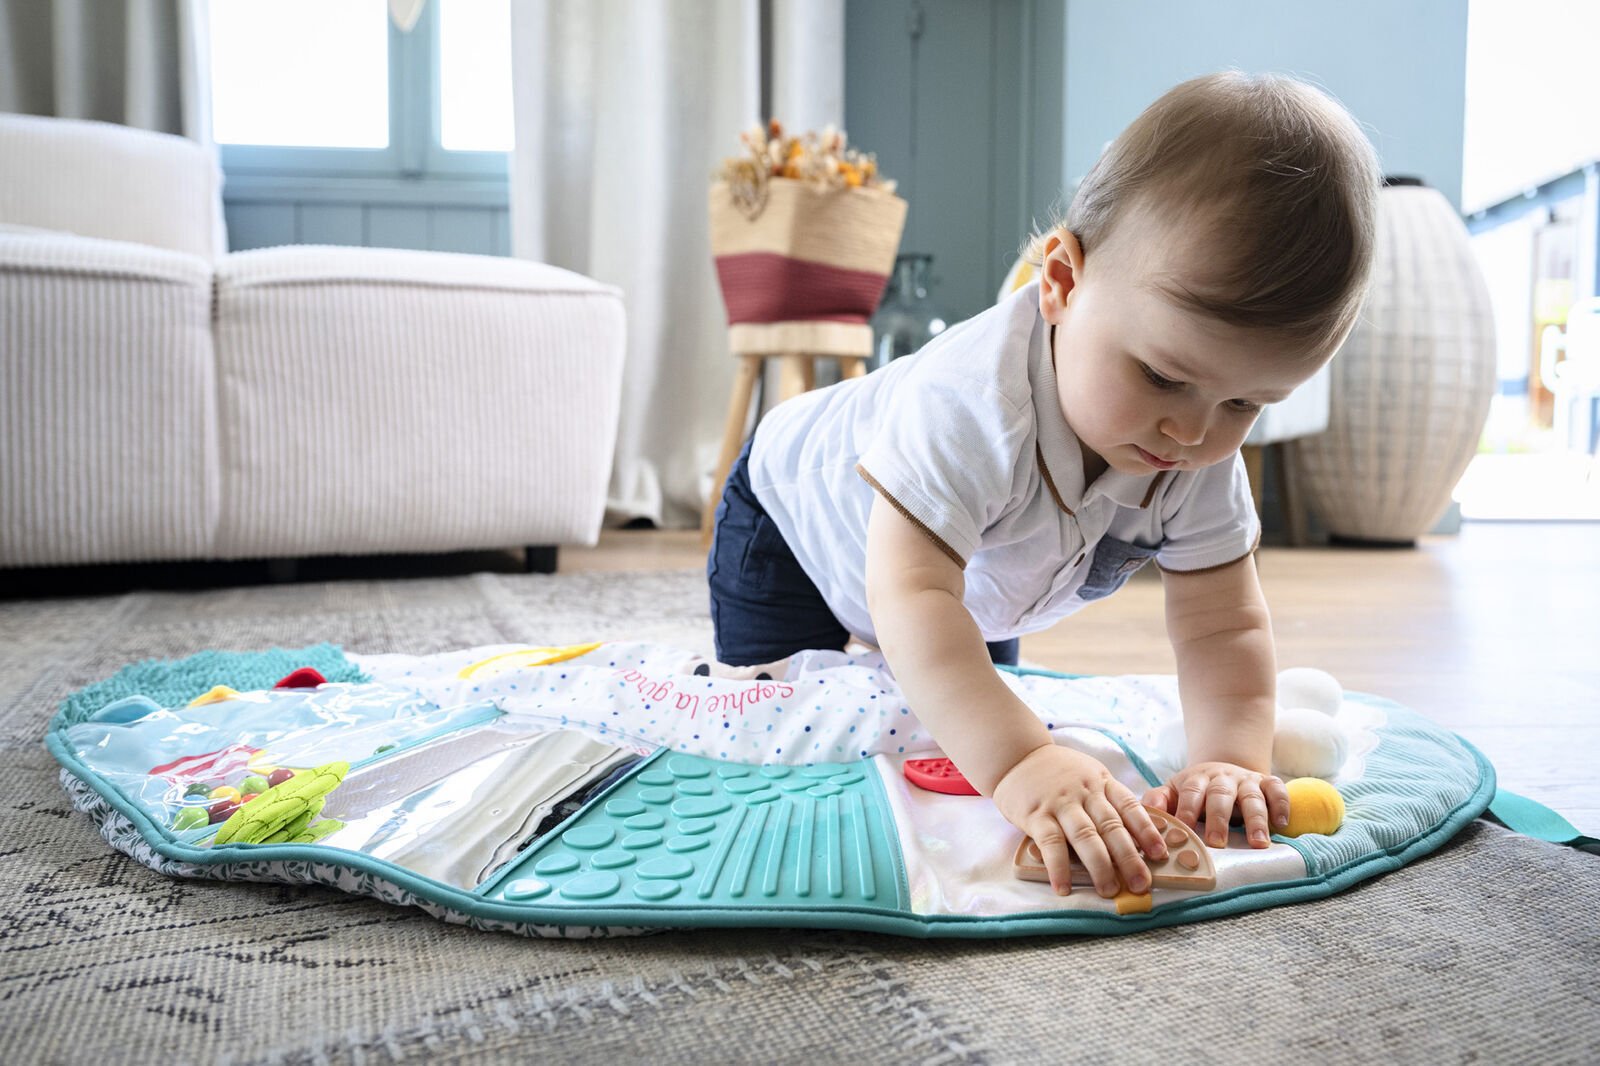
x: 684, y: 831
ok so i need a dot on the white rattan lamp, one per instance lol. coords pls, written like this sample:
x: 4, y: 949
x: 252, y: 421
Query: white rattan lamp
x: 1412, y: 383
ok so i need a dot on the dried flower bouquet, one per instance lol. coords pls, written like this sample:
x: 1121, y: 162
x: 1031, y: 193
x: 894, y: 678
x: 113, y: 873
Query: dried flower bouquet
x: 823, y: 160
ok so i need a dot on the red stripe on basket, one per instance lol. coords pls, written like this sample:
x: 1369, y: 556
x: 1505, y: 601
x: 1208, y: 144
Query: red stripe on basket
x: 766, y: 287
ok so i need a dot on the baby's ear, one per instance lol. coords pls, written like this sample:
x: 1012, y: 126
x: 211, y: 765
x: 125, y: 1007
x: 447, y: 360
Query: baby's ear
x: 1059, y: 274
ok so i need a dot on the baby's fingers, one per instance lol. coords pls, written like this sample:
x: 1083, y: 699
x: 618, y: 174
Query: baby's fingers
x: 1089, y: 842
x: 1219, y: 810
x: 1192, y: 799
x: 1253, y: 811
x: 1119, y: 828
x: 1146, y: 834
x: 1165, y: 797
x: 1277, y: 800
x: 1053, y: 851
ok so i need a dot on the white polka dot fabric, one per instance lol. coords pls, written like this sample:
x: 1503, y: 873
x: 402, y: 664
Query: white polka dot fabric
x: 827, y: 706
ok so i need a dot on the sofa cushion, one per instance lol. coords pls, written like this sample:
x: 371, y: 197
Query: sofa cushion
x: 374, y: 400
x: 41, y: 251
x: 306, y: 264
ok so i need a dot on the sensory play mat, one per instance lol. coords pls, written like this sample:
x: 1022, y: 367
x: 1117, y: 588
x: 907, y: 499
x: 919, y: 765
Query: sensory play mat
x: 605, y: 788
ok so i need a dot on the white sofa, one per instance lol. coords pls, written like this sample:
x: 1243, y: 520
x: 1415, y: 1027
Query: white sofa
x: 162, y: 399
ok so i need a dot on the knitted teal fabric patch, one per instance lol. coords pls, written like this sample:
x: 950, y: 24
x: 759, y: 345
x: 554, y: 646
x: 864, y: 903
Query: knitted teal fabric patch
x: 174, y: 682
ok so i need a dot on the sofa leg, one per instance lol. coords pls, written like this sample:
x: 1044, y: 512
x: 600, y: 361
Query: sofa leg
x: 280, y: 571
x: 540, y: 560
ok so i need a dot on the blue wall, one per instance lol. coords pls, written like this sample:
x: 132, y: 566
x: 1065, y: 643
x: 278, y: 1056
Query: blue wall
x: 961, y: 103
x: 1009, y: 102
x: 438, y: 216
x: 1400, y: 68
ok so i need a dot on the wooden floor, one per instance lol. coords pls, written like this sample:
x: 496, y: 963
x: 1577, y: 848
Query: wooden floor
x: 1494, y: 633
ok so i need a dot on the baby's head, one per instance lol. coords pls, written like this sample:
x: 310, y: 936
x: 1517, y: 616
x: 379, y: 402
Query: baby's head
x: 1222, y: 244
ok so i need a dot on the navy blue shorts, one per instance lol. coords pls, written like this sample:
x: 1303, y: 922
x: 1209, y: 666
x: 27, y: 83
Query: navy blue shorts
x: 763, y: 606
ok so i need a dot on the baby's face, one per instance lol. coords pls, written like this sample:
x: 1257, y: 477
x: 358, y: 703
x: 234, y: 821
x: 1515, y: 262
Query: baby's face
x: 1148, y: 386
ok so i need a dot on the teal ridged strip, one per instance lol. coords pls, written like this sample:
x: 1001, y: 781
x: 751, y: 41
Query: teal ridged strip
x: 780, y: 836
x: 858, y: 819
x: 747, y: 854
x: 708, y: 884
x: 802, y: 873
x: 832, y: 843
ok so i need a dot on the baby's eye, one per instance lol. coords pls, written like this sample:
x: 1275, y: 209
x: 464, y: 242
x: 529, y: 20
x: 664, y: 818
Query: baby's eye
x: 1244, y: 407
x: 1157, y: 380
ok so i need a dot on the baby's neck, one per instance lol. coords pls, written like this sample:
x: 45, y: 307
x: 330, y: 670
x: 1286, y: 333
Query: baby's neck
x: 1093, y: 467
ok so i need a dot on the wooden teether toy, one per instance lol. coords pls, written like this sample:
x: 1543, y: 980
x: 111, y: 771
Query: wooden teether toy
x: 1188, y: 863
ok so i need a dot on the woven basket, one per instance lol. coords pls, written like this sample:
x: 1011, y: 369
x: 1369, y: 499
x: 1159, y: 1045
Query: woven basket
x: 810, y: 254
x: 1410, y: 389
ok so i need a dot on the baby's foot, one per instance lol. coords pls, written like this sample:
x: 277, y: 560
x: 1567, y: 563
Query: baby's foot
x: 702, y: 667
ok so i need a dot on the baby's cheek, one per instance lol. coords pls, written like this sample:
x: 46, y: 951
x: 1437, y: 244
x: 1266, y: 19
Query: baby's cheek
x: 1222, y: 443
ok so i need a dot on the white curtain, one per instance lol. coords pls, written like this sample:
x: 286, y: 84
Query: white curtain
x: 141, y: 63
x: 808, y: 63
x: 624, y: 108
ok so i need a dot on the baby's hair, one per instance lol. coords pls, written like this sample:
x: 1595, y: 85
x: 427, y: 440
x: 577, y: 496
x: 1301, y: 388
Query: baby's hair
x: 1280, y: 179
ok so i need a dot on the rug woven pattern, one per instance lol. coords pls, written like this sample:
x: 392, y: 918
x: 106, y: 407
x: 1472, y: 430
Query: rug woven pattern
x: 1487, y: 950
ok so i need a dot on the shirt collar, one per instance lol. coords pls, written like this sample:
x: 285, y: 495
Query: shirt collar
x: 1059, y: 454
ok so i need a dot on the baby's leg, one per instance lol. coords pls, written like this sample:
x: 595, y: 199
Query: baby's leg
x: 764, y: 607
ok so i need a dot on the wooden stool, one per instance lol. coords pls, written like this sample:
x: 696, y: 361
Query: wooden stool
x: 1294, y: 515
x: 798, y: 345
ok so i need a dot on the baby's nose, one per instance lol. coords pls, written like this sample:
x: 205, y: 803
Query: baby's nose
x: 1188, y: 432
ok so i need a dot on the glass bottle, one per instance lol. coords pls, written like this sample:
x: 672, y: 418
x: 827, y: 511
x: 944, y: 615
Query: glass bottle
x: 907, y: 319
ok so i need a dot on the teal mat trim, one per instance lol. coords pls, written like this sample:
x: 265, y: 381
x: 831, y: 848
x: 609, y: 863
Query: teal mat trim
x: 1522, y: 815
x: 1239, y: 900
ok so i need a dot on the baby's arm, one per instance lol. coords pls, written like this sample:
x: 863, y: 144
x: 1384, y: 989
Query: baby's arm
x: 1054, y: 794
x: 1222, y: 635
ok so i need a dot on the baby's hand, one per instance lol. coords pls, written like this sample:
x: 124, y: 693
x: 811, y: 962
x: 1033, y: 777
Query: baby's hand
x: 1069, y: 803
x: 1215, y: 787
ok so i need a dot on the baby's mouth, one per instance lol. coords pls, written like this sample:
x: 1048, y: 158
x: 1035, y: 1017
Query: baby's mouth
x: 1155, y: 460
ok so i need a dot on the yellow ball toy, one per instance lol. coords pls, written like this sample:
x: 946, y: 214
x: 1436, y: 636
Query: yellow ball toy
x: 1314, y: 807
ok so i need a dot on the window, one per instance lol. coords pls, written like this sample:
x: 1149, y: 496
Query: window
x: 1530, y: 83
x: 333, y: 93
x: 331, y: 87
x: 475, y: 75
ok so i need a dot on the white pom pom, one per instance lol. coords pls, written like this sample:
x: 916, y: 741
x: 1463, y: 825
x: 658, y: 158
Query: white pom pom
x: 1307, y: 743
x: 1304, y: 686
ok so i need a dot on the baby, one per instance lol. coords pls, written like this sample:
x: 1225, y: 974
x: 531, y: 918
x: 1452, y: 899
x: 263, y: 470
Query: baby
x: 1028, y: 460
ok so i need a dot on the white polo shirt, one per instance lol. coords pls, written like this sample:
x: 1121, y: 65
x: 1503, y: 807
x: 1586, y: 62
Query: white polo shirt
x: 966, y: 438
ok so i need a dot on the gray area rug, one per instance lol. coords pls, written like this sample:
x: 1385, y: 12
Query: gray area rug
x: 1487, y: 950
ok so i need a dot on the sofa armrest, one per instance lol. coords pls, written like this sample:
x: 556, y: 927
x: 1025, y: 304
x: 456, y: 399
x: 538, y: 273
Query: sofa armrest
x: 99, y: 179
x: 377, y: 400
x: 107, y: 402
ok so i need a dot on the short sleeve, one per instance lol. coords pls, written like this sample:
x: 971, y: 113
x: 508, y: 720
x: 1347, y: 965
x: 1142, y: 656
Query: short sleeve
x: 1209, y: 519
x: 947, y: 454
